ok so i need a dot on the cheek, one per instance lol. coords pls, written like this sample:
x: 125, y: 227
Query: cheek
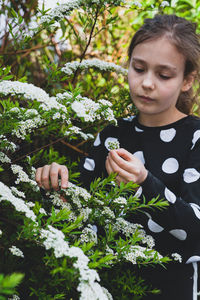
x: 132, y: 81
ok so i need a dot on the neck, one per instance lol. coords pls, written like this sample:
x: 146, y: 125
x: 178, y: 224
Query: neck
x: 160, y: 120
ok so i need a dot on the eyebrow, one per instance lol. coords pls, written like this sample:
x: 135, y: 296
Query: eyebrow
x: 167, y: 67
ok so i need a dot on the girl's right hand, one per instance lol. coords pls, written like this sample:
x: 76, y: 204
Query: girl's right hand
x: 47, y: 176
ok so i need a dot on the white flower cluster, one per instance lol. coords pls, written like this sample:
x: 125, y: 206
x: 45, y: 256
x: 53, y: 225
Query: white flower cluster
x: 91, y: 111
x: 22, y: 176
x: 1, y: 232
x: 25, y: 127
x: 18, y: 193
x: 128, y: 228
x: 61, y: 11
x: 177, y: 257
x: 7, y: 145
x: 113, y: 144
x: 19, y: 204
x: 16, y: 251
x: 164, y: 3
x: 14, y: 297
x: 76, y: 130
x: 120, y: 200
x: 88, y: 287
x: 136, y: 252
x: 71, y: 67
x: 88, y: 235
x: 108, y: 212
x: 28, y: 90
x: 85, y: 212
x: 137, y: 3
x: 4, y: 158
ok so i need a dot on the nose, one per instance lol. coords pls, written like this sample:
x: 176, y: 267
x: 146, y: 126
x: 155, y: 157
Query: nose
x: 148, y: 82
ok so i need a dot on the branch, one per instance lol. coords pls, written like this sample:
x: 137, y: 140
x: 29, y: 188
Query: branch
x: 88, y: 43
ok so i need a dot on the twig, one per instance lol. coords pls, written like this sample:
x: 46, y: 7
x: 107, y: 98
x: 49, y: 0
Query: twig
x: 88, y: 43
x: 74, y: 148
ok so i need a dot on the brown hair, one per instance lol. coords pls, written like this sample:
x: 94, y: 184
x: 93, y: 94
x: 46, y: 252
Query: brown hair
x: 182, y: 34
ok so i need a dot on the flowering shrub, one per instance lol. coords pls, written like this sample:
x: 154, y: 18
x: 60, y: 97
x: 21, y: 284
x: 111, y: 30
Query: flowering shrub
x: 63, y: 78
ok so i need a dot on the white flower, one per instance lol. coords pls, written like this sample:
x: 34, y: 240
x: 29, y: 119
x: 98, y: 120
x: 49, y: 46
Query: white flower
x: 136, y: 3
x: 164, y: 3
x: 16, y: 251
x: 18, y: 193
x: 88, y: 235
x: 22, y: 176
x: 71, y: 67
x: 19, y: 204
x: 4, y: 158
x: 14, y: 297
x: 1, y: 232
x: 177, y: 257
x: 61, y: 11
x: 88, y: 287
x: 113, y: 144
x: 43, y: 211
x: 136, y: 252
x: 120, y: 200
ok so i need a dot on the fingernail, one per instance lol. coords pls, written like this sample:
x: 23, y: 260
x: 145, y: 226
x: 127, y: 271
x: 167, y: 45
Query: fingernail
x: 64, y: 185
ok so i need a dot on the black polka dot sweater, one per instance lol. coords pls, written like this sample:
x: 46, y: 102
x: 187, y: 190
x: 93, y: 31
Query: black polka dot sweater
x: 171, y: 154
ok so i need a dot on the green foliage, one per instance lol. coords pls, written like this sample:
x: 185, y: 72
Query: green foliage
x: 91, y: 232
x: 9, y: 283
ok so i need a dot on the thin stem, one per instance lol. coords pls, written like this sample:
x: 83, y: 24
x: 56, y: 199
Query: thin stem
x: 88, y: 43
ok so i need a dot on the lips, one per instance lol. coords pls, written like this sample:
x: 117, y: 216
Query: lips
x: 146, y: 99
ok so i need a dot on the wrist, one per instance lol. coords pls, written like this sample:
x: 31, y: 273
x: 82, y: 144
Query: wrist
x: 143, y: 177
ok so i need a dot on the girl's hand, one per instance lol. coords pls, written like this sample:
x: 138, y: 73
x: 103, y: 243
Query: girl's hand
x: 47, y: 176
x: 126, y: 165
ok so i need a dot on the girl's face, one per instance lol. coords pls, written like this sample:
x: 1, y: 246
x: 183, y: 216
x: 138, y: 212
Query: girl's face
x: 156, y: 78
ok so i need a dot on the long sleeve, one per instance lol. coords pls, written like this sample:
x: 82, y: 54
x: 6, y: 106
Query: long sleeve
x: 182, y: 217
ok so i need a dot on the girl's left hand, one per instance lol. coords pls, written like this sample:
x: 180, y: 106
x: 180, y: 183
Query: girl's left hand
x: 126, y: 165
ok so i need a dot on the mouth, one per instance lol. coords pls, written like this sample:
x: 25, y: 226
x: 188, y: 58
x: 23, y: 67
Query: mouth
x: 146, y: 99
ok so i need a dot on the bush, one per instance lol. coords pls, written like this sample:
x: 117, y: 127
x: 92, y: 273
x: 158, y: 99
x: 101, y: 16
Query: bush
x: 63, y: 78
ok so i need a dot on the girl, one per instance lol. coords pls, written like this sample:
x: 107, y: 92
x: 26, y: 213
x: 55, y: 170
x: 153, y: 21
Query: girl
x: 160, y: 148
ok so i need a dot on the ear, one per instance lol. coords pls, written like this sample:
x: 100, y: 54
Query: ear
x: 188, y: 81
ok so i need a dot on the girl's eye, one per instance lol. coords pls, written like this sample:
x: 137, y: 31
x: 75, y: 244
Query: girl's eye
x: 165, y: 77
x: 138, y: 70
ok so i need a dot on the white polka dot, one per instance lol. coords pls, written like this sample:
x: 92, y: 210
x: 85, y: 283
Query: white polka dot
x: 89, y: 164
x: 148, y: 215
x: 196, y: 136
x: 97, y: 142
x: 169, y: 195
x: 129, y: 119
x: 140, y: 156
x: 170, y: 165
x: 196, y: 209
x: 154, y: 227
x: 193, y: 259
x: 179, y: 234
x: 138, y: 193
x: 138, y: 129
x: 110, y: 140
x: 191, y: 175
x: 167, y: 135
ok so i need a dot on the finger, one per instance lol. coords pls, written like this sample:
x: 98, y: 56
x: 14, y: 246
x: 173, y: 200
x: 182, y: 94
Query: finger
x: 63, y: 172
x: 53, y: 174
x: 116, y: 168
x: 45, y: 177
x: 124, y: 154
x: 38, y: 175
x: 108, y: 167
x: 132, y: 165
